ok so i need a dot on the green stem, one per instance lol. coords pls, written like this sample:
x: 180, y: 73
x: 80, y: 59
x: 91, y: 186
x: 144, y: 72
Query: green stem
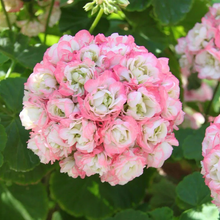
x: 6, y: 14
x: 48, y: 20
x: 173, y: 35
x: 11, y: 68
x: 210, y: 103
x: 96, y: 21
x: 30, y: 10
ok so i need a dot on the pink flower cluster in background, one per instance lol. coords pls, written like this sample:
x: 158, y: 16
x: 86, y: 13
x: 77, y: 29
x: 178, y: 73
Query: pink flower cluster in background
x: 37, y: 23
x: 200, y: 49
x: 202, y: 94
x: 102, y: 105
x: 210, y: 163
x: 13, y: 5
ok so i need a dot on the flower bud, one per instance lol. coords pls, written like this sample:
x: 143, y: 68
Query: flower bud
x: 108, y: 6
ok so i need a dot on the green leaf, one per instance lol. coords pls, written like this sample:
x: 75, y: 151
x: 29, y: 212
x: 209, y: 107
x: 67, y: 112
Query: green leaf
x: 144, y: 207
x: 73, y: 18
x: 180, y: 135
x: 164, y: 213
x: 138, y: 5
x: 12, y: 92
x: 76, y: 18
x: 216, y: 101
x: 20, y: 51
x: 23, y: 202
x: 118, y: 26
x: 101, y: 199
x: 138, y: 19
x: 215, y: 1
x: 102, y: 27
x: 170, y: 12
x: 31, y: 56
x: 194, y: 14
x: 8, y: 48
x: 24, y: 178
x: 194, y: 82
x: 192, y: 191
x: 205, y: 212
x: 192, y: 145
x: 163, y: 194
x: 130, y: 215
x: 3, y: 58
x: 1, y: 159
x: 146, y: 32
x: 3, y: 140
x: 16, y: 153
x: 61, y: 215
x: 79, y: 197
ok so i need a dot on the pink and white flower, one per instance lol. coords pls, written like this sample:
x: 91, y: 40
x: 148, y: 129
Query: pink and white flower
x: 139, y: 69
x: 59, y: 107
x: 82, y: 133
x: 37, y: 144
x: 159, y: 155
x: 124, y: 168
x: 31, y: 28
x: 94, y: 163
x: 119, y: 135
x: 62, y: 51
x: 42, y: 81
x: 56, y: 144
x: 105, y: 98
x: 153, y: 131
x: 73, y: 76
x: 34, y: 115
x: 199, y: 36
x: 207, y: 63
x: 68, y: 165
x: 142, y: 104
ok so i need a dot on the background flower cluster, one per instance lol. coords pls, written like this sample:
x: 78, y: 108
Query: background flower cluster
x: 199, y: 50
x: 32, y: 16
x: 210, y: 163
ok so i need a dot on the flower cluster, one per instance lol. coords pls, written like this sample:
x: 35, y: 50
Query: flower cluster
x: 202, y: 94
x: 13, y: 6
x: 210, y: 163
x: 102, y: 105
x: 200, y: 49
x: 38, y: 12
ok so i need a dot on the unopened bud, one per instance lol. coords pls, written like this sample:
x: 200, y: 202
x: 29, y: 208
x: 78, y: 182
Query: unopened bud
x: 108, y: 6
x: 89, y: 6
x: 123, y: 3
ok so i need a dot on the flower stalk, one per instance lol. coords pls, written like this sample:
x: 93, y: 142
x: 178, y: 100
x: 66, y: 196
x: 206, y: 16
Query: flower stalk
x: 210, y: 103
x: 96, y: 21
x: 48, y: 20
x: 6, y: 15
x: 11, y: 68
